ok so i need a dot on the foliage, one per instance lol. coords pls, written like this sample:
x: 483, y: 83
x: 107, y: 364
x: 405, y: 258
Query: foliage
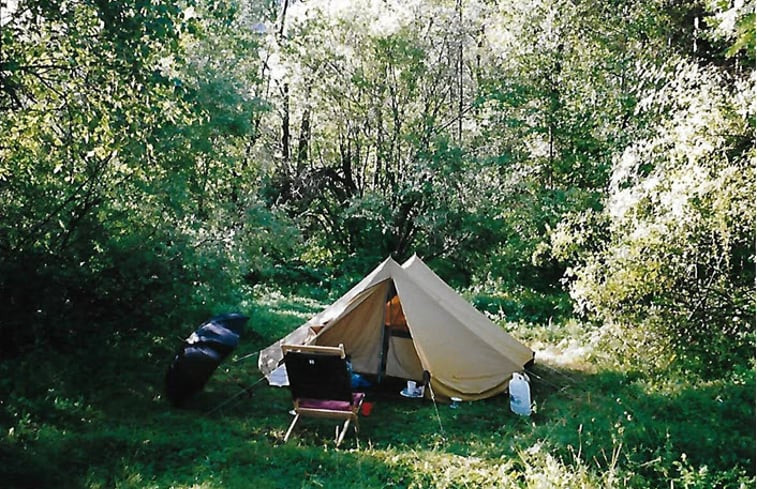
x: 432, y: 128
x: 523, y: 304
x: 733, y: 24
x: 675, y: 271
x: 375, y: 168
x: 126, y: 189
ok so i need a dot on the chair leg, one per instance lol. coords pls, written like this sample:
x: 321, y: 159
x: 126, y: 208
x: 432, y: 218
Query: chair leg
x: 291, y: 427
x: 342, y: 433
x: 357, y: 428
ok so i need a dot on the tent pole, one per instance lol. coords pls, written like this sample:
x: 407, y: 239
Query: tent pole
x: 384, y: 338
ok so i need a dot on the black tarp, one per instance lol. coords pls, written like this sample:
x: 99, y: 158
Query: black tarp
x: 200, y: 355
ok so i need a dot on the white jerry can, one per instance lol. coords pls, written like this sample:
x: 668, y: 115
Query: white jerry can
x: 520, y: 394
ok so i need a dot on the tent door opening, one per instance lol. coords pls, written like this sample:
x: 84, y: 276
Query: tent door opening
x: 398, y: 355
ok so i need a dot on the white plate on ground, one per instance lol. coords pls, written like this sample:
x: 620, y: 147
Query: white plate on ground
x: 404, y: 393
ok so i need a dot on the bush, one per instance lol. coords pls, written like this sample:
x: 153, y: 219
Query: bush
x: 520, y: 304
x: 673, y: 279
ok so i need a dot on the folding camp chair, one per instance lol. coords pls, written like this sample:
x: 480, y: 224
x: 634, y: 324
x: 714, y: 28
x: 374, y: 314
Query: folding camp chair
x: 320, y: 385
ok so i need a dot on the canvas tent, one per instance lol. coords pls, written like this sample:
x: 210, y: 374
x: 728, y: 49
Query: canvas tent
x: 403, y: 319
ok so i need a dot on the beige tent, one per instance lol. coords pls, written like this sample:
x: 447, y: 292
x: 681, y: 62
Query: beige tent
x: 401, y: 320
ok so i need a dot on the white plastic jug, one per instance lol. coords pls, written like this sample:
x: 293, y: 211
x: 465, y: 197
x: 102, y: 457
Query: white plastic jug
x: 520, y: 394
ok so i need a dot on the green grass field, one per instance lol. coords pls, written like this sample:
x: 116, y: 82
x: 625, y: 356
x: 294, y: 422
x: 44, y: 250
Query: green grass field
x: 95, y: 417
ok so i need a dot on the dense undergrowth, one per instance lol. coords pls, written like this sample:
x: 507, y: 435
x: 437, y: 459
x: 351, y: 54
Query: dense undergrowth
x: 96, y: 418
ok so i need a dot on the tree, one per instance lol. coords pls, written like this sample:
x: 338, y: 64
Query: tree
x: 379, y: 165
x: 125, y: 186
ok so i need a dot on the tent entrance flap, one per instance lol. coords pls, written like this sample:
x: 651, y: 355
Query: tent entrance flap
x: 402, y: 360
x: 360, y: 331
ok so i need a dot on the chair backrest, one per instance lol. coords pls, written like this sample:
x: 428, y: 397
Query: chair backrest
x: 317, y: 374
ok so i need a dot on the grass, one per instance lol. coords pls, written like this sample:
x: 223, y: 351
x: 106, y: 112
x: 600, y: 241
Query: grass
x: 95, y: 417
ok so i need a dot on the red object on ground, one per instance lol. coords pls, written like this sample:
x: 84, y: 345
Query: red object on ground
x: 366, y: 408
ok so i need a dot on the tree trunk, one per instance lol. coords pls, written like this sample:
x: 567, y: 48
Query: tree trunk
x: 284, y: 6
x: 285, y: 126
x: 460, y: 73
x: 303, y: 142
